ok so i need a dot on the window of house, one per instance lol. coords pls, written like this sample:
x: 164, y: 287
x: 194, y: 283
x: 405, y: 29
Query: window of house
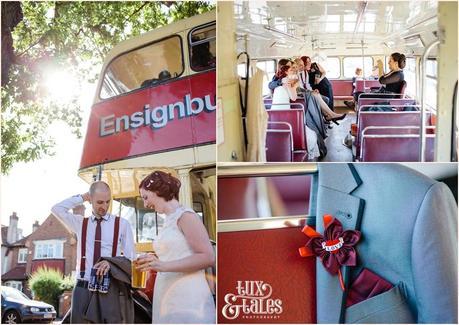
x: 16, y: 285
x: 350, y: 63
x: 203, y: 50
x: 22, y: 255
x: 143, y: 67
x: 49, y: 249
x: 332, y: 68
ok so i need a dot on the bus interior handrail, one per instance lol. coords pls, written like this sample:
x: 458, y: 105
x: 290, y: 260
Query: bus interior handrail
x: 256, y: 169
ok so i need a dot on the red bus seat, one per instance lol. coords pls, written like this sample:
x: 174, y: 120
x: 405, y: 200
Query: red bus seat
x: 342, y: 89
x: 279, y: 142
x: 388, y: 119
x: 384, y: 101
x: 366, y: 85
x: 392, y: 144
x: 294, y: 117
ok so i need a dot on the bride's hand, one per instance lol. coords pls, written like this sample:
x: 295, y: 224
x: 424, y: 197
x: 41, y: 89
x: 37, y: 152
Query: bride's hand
x: 149, y: 262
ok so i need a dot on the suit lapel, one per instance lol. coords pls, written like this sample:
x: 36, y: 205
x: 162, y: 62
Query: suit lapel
x: 336, y: 184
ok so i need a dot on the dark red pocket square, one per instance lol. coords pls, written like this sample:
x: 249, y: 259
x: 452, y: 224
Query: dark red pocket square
x: 366, y: 285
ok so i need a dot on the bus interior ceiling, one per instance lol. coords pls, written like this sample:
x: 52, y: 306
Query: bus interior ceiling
x: 316, y: 28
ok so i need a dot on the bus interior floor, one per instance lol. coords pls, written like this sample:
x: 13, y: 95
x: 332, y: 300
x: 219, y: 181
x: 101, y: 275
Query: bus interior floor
x: 336, y: 150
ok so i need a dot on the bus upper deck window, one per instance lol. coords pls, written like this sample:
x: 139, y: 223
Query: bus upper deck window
x: 143, y: 67
x: 202, y: 48
x: 350, y: 63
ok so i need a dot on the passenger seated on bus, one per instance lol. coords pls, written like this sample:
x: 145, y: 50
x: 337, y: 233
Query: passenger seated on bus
x: 201, y: 57
x: 318, y: 80
x: 358, y: 76
x: 304, y: 79
x: 283, y: 95
x: 329, y: 115
x: 393, y: 81
x: 275, y: 82
x: 164, y: 75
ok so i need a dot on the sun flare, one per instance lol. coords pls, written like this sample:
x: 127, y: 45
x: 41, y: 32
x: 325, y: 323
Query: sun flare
x: 62, y: 86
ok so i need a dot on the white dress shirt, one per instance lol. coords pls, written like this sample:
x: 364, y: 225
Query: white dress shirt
x: 75, y: 222
x: 303, y: 76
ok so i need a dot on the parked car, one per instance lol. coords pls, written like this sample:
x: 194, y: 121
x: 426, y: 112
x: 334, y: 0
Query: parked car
x: 18, y: 308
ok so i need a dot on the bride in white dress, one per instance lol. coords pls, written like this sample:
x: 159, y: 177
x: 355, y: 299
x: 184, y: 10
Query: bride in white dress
x: 281, y: 100
x: 181, y: 293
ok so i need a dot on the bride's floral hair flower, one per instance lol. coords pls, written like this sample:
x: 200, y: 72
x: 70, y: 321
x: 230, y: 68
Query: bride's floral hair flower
x: 163, y: 184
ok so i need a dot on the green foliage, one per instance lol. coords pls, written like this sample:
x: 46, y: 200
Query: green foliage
x: 46, y: 285
x: 67, y: 283
x: 70, y: 36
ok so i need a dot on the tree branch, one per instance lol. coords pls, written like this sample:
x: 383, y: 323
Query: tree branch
x: 136, y: 11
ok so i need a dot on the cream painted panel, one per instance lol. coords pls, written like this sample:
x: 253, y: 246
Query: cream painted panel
x: 228, y: 87
x: 447, y: 77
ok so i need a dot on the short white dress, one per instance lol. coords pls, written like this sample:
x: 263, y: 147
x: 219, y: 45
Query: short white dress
x: 179, y: 297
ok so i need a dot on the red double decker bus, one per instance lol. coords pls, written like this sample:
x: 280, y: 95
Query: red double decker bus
x: 154, y: 109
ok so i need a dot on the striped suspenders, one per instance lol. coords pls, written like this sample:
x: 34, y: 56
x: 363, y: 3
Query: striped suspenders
x: 84, y: 230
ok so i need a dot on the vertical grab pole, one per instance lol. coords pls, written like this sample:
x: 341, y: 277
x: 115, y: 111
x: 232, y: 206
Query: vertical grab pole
x: 422, y: 136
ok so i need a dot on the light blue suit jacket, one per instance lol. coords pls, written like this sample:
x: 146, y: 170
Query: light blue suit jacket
x: 409, y: 237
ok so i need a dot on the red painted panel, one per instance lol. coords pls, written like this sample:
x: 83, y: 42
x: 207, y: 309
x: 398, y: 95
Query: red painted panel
x: 270, y: 256
x: 204, y: 124
x: 153, y: 124
x: 58, y: 264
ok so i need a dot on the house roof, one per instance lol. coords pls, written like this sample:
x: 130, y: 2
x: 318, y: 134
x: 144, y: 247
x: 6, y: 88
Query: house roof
x: 17, y: 273
x: 20, y: 242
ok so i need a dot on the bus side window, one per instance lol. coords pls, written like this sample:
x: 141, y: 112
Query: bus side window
x: 352, y: 62
x: 202, y: 48
x: 410, y: 77
x: 143, y: 67
x: 431, y: 83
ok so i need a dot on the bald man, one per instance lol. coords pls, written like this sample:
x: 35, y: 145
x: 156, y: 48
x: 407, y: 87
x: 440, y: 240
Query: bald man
x: 98, y: 234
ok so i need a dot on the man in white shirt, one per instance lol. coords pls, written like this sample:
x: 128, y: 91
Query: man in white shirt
x: 303, y: 77
x: 100, y: 229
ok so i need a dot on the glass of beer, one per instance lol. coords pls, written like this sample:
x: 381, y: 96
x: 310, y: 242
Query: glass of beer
x: 138, y: 278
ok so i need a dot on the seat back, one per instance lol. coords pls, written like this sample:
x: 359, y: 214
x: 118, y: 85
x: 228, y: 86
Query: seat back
x: 385, y: 100
x: 394, y: 144
x: 341, y: 87
x: 279, y: 142
x: 298, y: 104
x: 385, y: 119
x: 294, y: 117
x: 364, y: 86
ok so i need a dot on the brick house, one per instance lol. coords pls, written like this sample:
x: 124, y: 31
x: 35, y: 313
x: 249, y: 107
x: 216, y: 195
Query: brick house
x: 50, y: 244
x: 12, y: 243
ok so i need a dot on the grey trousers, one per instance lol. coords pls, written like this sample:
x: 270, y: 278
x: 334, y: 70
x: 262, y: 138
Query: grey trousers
x: 80, y: 300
